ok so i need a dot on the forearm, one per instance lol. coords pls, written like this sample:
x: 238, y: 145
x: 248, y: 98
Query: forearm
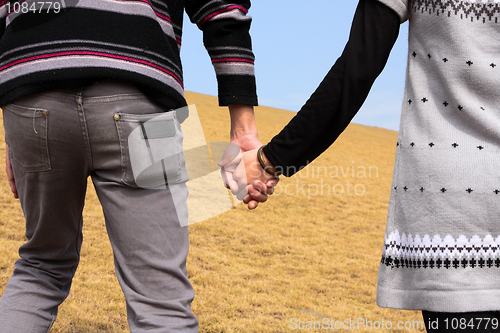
x: 341, y: 94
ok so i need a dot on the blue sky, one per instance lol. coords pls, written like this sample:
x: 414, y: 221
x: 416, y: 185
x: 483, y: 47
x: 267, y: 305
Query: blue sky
x: 295, y: 45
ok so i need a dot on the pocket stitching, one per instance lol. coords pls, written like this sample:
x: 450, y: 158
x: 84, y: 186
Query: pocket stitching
x: 43, y: 145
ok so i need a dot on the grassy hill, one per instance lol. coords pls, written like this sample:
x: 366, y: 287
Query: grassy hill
x: 311, y: 252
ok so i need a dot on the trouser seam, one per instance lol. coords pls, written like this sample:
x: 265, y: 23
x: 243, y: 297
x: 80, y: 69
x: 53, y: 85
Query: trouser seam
x: 83, y: 126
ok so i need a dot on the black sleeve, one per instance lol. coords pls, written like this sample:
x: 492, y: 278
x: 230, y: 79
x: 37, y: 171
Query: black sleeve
x: 338, y: 98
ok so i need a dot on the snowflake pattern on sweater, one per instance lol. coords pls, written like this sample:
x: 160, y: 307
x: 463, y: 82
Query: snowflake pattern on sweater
x: 480, y: 10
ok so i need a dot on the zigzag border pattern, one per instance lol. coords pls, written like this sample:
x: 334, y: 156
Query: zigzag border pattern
x: 407, y: 251
x: 478, y: 11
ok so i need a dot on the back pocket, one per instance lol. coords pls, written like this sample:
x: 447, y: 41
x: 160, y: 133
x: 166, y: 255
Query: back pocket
x: 26, y: 136
x: 151, y: 149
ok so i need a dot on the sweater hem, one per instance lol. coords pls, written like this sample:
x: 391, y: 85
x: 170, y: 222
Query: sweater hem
x: 439, y: 300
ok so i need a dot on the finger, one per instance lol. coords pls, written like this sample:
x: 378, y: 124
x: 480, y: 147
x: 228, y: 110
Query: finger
x: 224, y: 177
x: 252, y: 205
x: 230, y: 182
x: 242, y: 188
x: 273, y: 182
x: 242, y: 194
x: 14, y: 189
x: 12, y: 182
x: 10, y: 174
x: 233, y: 186
x: 270, y: 191
x: 247, y: 199
x: 256, y: 195
x: 263, y: 188
x: 259, y: 186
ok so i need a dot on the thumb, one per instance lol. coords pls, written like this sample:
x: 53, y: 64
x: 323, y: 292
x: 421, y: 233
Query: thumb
x: 230, y: 154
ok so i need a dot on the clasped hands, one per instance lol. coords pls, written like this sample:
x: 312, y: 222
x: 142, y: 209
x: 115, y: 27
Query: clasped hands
x: 245, y: 177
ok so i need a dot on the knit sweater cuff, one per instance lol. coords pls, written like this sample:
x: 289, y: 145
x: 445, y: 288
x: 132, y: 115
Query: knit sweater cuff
x: 237, y: 89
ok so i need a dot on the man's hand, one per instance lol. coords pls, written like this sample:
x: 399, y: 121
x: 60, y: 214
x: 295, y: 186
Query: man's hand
x: 10, y: 173
x: 244, y: 138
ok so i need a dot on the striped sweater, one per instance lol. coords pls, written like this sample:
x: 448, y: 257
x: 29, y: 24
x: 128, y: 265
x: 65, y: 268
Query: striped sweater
x: 75, y: 42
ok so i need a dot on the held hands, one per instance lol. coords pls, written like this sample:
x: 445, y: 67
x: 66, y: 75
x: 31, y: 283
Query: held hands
x: 239, y: 163
x: 244, y: 175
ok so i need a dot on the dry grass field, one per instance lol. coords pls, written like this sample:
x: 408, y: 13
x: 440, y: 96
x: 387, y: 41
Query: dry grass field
x: 311, y: 252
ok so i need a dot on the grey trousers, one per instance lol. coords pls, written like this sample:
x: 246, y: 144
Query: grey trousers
x: 56, y: 140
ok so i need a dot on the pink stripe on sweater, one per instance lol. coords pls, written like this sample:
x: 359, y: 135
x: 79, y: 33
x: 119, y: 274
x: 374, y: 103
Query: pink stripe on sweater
x: 99, y: 54
x: 243, y: 9
x: 232, y: 60
x: 166, y: 18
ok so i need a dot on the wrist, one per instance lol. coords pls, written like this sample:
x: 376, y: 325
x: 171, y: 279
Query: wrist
x: 243, y: 124
x: 265, y: 164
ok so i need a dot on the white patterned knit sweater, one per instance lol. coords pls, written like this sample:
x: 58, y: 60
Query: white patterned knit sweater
x: 442, y: 243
